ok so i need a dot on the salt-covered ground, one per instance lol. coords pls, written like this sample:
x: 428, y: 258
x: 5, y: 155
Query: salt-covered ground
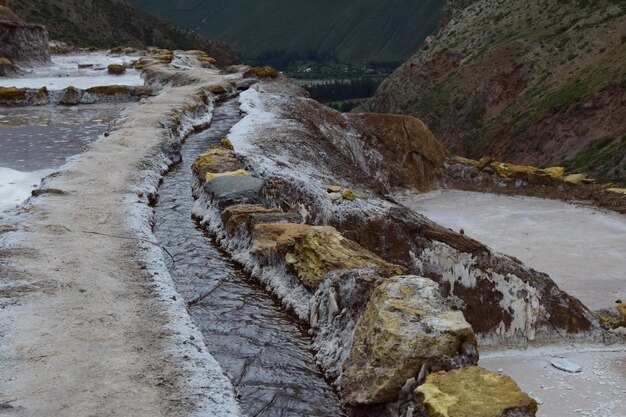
x: 35, y: 140
x: 582, y: 249
x: 90, y: 319
x: 599, y: 390
x: 15, y: 186
x: 65, y: 72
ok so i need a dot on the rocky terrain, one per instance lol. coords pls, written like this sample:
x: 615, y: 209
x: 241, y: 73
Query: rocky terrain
x: 21, y: 43
x: 305, y: 205
x: 314, y: 207
x: 106, y: 24
x: 534, y: 83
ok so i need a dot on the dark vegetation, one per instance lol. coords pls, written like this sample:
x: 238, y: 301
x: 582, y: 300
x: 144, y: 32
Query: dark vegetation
x: 606, y: 157
x: 287, y: 33
x: 340, y: 90
x: 343, y: 95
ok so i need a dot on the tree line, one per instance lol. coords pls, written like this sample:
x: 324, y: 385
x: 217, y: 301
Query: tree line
x: 340, y: 90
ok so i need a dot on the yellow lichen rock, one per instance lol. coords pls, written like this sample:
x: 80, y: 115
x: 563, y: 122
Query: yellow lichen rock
x: 405, y: 326
x: 261, y: 72
x: 555, y: 172
x: 463, y: 161
x: 348, y: 194
x: 109, y: 90
x: 314, y: 251
x: 334, y: 189
x: 575, y: 178
x: 116, y: 69
x: 614, y: 317
x: 12, y: 94
x: 484, y: 162
x: 617, y: 190
x: 505, y: 170
x: 209, y: 176
x: 234, y: 216
x: 226, y: 144
x: 211, y: 156
x: 207, y: 60
x: 214, y: 161
x: 473, y: 392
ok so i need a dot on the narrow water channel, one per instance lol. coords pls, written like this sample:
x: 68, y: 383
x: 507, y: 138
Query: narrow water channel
x: 265, y: 351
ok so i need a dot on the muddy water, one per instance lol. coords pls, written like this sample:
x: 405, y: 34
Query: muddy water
x: 264, y: 351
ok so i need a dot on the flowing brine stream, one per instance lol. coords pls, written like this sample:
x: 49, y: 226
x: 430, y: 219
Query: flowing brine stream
x: 264, y: 350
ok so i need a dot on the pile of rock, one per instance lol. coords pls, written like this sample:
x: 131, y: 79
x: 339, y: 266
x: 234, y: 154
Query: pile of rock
x: 489, y: 175
x: 20, y: 42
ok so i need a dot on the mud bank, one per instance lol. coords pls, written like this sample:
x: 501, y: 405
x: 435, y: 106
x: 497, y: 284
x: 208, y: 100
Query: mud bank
x: 90, y: 321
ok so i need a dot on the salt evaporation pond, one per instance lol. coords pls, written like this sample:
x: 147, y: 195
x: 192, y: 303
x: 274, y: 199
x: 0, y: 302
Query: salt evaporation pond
x: 36, y: 140
x: 581, y: 248
x: 66, y: 71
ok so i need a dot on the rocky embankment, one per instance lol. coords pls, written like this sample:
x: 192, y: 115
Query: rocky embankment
x: 300, y: 195
x: 21, y: 43
x: 489, y: 175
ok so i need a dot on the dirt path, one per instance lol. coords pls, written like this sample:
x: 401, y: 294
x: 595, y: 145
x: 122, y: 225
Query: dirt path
x: 90, y: 324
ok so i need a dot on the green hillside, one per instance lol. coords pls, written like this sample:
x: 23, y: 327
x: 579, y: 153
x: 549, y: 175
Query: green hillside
x: 355, y: 32
x: 538, y: 82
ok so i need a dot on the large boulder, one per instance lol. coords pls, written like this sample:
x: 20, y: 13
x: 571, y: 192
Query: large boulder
x: 314, y: 251
x: 472, y: 392
x: 406, y: 330
x: 215, y: 160
x: 415, y: 157
x: 230, y: 190
x: 71, y: 96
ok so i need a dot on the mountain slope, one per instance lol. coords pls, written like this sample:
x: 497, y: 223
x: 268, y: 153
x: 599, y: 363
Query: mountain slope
x: 532, y: 82
x: 355, y: 31
x: 108, y: 23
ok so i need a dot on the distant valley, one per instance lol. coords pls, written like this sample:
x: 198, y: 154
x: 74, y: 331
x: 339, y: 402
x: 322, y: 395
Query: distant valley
x: 282, y: 32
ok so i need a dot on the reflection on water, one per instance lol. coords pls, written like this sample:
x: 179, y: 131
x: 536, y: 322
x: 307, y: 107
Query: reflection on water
x: 33, y: 138
x: 264, y: 350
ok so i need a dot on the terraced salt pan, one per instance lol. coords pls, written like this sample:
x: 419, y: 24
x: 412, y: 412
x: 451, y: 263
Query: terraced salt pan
x: 15, y: 186
x: 64, y: 72
x: 582, y: 249
x: 599, y: 390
